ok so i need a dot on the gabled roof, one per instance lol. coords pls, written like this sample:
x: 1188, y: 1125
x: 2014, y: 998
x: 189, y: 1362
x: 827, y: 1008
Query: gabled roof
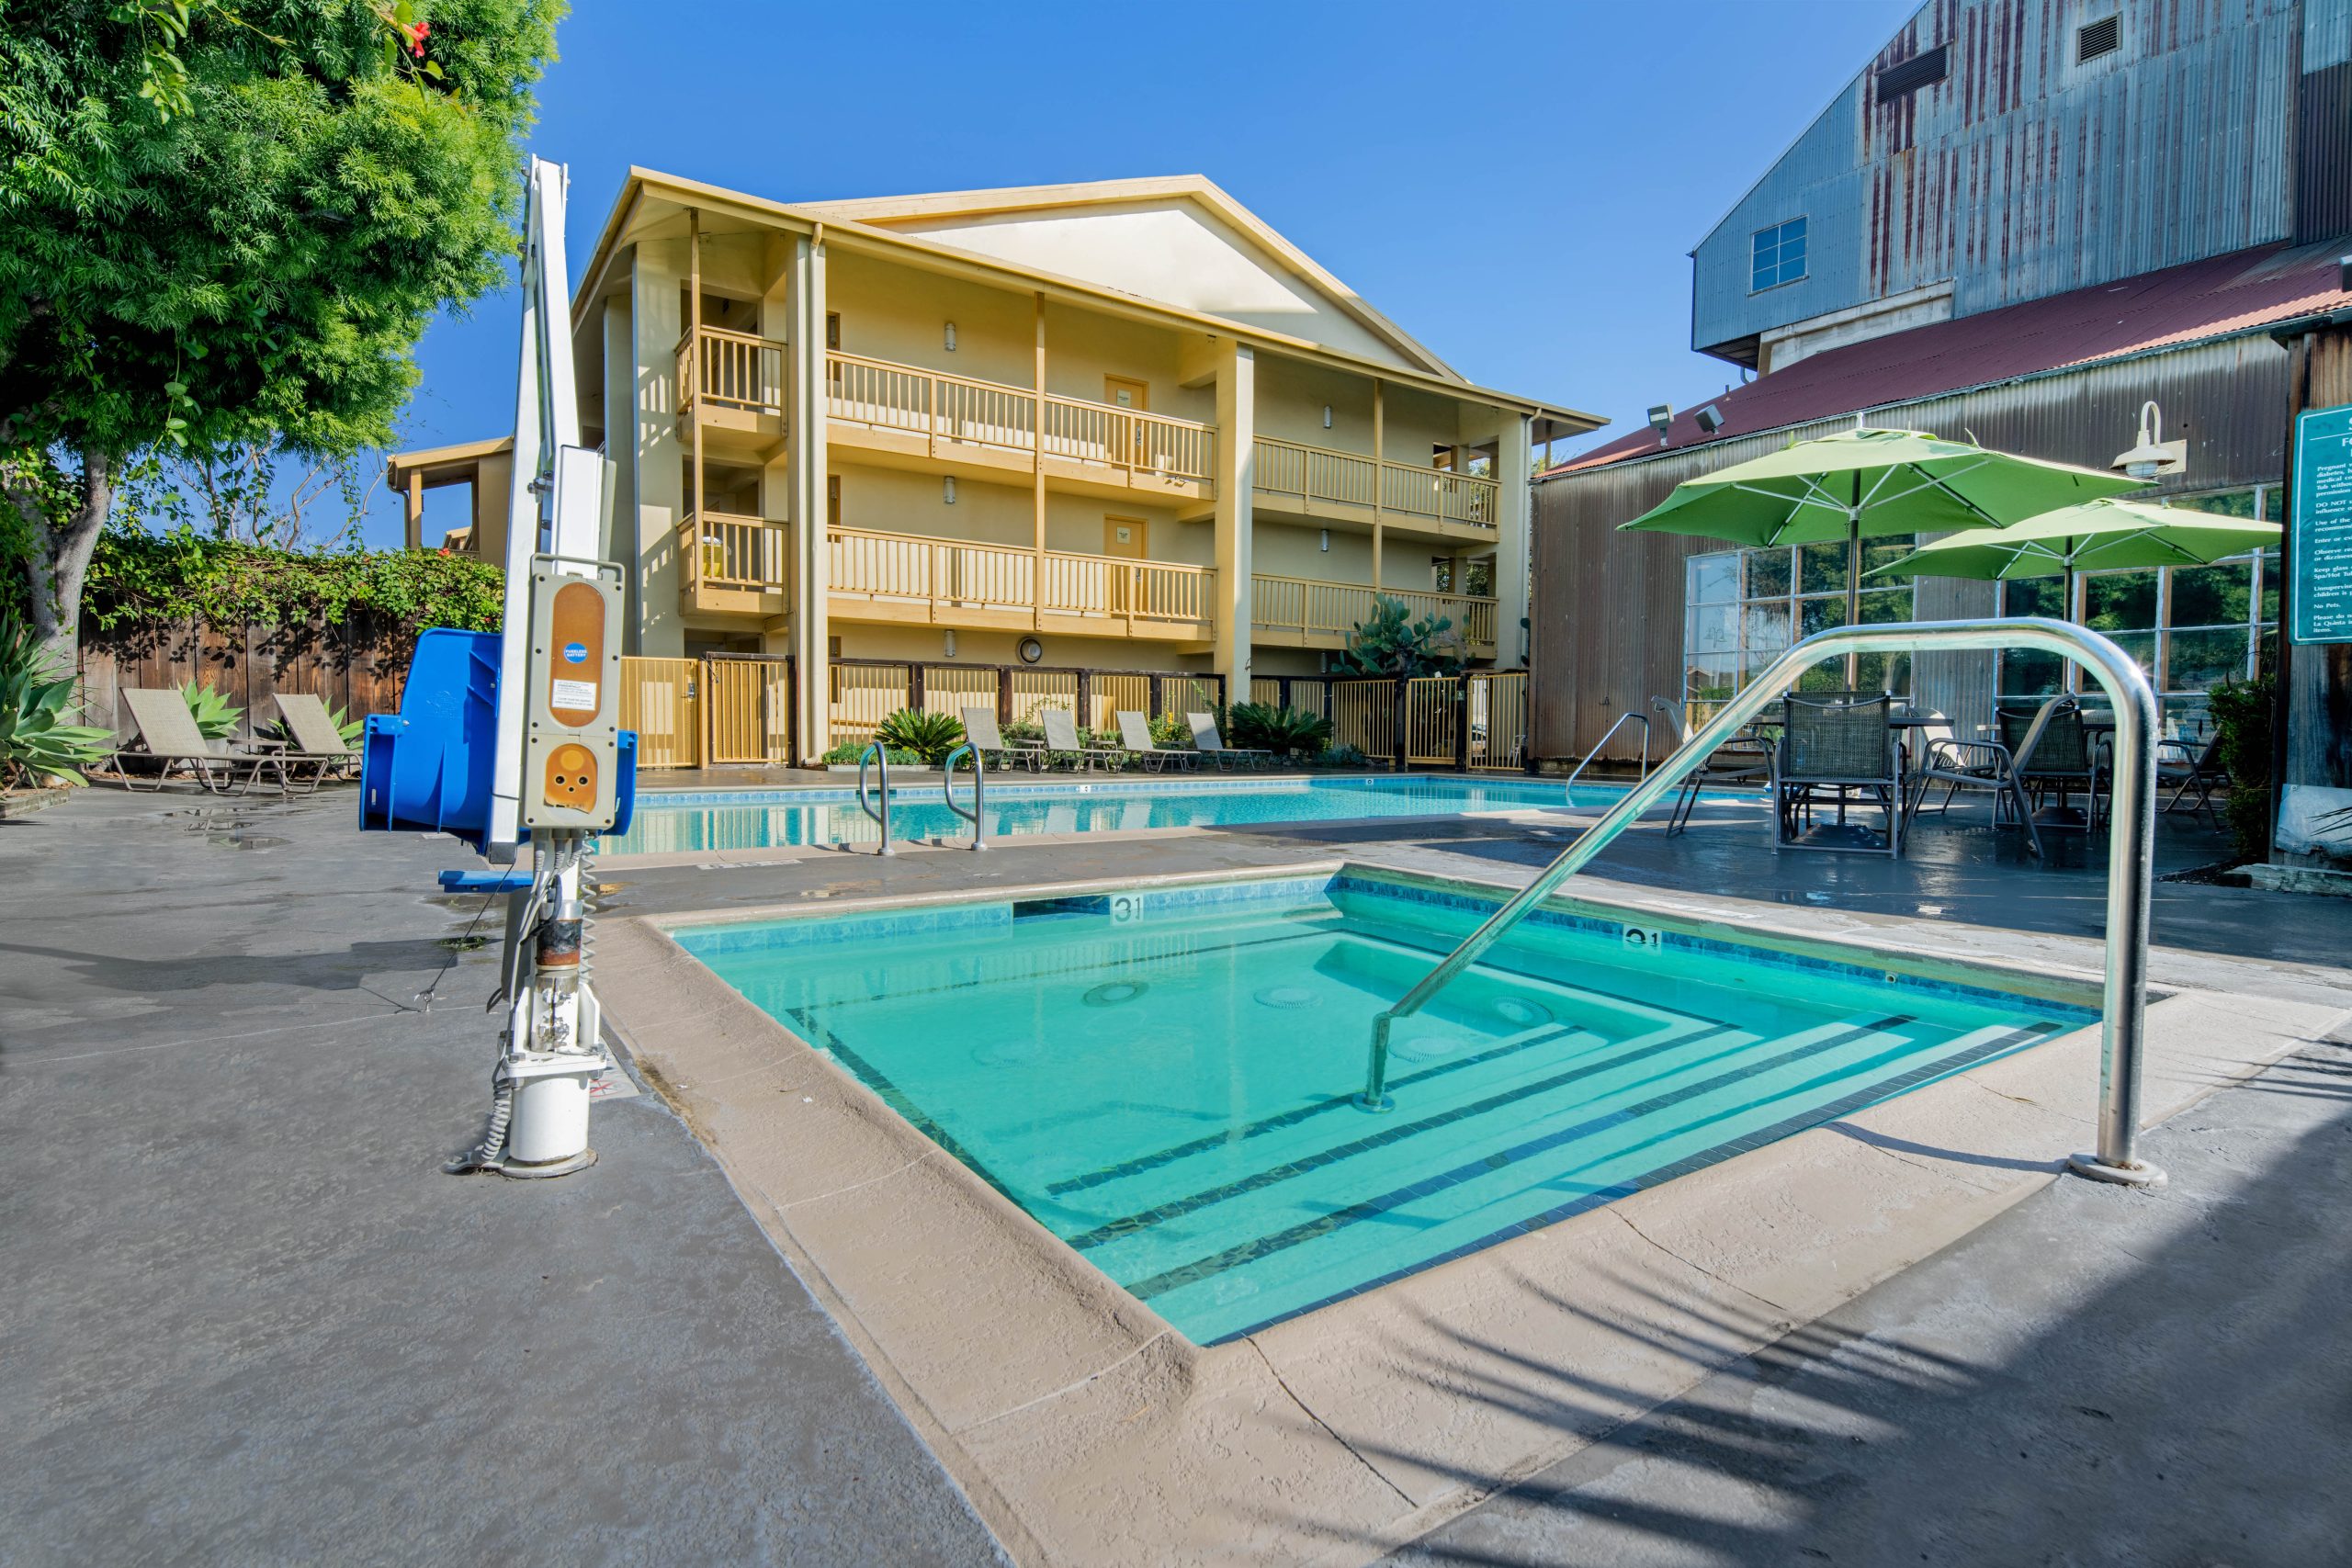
x: 897, y: 211
x: 2244, y: 291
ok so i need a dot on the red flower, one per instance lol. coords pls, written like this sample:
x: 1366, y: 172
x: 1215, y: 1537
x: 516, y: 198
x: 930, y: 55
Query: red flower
x: 416, y: 39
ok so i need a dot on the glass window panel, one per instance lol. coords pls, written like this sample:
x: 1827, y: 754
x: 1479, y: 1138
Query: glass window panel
x: 1768, y: 627
x: 2200, y: 660
x: 1822, y: 569
x: 2212, y: 595
x: 1768, y: 574
x: 2034, y: 596
x: 1709, y: 678
x: 2268, y: 655
x: 1886, y: 605
x: 1712, y: 579
x: 2224, y: 503
x: 1715, y: 629
x: 1877, y: 553
x: 1829, y: 677
x: 2119, y: 600
x: 2187, y: 718
x: 2270, y: 588
x: 1820, y: 614
x: 1882, y: 672
x: 2141, y: 645
x: 2028, y: 673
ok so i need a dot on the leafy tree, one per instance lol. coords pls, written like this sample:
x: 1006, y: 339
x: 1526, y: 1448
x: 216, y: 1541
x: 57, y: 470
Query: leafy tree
x: 1390, y: 642
x: 227, y: 224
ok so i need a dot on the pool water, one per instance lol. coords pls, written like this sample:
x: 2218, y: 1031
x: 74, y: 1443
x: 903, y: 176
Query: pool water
x: 681, y: 820
x: 1164, y: 1078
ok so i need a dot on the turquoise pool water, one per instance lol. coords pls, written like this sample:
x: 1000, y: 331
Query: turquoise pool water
x: 668, y: 822
x: 1164, y: 1078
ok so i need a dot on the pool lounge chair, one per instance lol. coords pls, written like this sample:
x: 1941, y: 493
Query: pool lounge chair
x: 318, y: 744
x: 1135, y: 733
x: 166, y: 734
x: 1744, y: 761
x: 1062, y: 741
x: 1209, y: 743
x: 979, y: 728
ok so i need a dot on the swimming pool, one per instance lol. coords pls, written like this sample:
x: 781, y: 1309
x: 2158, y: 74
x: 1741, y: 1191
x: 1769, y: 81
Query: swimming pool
x: 1164, y: 1078
x: 669, y: 821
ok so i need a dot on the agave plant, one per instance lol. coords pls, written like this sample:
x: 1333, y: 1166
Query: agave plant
x: 929, y: 736
x: 37, y: 743
x: 1279, y: 729
x: 216, y: 718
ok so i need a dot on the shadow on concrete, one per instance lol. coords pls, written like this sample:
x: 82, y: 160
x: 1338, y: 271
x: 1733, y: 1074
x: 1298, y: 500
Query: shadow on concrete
x: 2097, y: 1377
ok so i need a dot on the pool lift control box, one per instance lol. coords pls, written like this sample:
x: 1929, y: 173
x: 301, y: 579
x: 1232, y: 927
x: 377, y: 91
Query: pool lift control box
x: 513, y: 740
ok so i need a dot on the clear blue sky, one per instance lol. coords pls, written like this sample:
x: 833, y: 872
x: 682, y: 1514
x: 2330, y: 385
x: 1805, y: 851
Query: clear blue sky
x: 1575, y: 153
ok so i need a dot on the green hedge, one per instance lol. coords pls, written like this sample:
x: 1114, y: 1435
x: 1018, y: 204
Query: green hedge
x: 141, y: 578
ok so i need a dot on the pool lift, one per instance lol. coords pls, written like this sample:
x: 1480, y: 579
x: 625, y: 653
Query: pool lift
x: 511, y: 738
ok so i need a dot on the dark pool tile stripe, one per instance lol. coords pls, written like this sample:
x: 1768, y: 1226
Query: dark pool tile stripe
x: 1884, y: 1089
x: 1339, y: 1219
x: 1395, y: 1132
x: 1293, y: 1117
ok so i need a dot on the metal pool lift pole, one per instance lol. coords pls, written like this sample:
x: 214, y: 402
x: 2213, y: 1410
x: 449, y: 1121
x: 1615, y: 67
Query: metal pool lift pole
x: 2131, y: 849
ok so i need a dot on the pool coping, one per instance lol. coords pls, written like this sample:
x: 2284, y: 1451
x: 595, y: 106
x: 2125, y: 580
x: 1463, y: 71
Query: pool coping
x: 1097, y: 1434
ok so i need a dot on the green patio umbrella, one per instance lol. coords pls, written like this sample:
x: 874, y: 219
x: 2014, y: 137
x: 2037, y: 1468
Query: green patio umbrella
x: 2097, y: 535
x: 1866, y: 482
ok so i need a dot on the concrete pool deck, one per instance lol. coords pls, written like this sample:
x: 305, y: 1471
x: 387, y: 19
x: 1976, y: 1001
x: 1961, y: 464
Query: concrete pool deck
x: 228, y: 1336
x: 1091, y: 1433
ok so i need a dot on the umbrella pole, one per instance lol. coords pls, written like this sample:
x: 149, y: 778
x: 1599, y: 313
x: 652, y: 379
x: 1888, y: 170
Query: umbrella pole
x: 1853, y: 590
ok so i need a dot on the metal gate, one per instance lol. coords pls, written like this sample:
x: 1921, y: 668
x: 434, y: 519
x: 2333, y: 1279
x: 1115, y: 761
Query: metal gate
x: 662, y: 701
x: 1499, y: 720
x: 1432, y: 719
x: 1363, y: 715
x: 748, y: 702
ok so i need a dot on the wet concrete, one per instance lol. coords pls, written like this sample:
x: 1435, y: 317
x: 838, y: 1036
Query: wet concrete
x: 245, y: 1318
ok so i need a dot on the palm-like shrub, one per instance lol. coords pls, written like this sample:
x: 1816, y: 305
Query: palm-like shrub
x: 1285, y: 731
x: 38, y: 743
x: 929, y: 736
x: 1390, y: 642
x: 216, y: 717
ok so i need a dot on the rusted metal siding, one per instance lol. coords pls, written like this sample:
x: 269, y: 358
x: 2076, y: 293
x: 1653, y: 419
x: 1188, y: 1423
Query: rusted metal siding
x: 1607, y: 610
x: 2024, y: 172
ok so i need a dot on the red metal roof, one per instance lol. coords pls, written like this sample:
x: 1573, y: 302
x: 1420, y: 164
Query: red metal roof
x: 2243, y: 291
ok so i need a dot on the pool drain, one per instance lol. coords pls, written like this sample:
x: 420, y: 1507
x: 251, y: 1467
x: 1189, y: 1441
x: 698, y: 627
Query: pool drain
x: 1286, y: 996
x: 1111, y: 993
x: 1422, y: 1047
x: 1523, y: 1012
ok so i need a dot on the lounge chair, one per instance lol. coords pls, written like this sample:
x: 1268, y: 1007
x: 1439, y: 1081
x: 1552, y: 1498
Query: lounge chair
x: 1135, y: 733
x: 166, y: 734
x: 1061, y: 740
x: 1209, y: 743
x: 318, y: 744
x: 1741, y: 762
x: 2192, y: 768
x: 979, y: 728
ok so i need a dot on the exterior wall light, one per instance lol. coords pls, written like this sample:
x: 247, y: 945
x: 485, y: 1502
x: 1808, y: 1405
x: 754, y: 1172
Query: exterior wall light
x: 1323, y: 540
x: 1327, y: 416
x: 1711, y: 419
x: 951, y: 337
x: 2151, y: 453
x: 947, y: 490
x: 949, y: 640
x: 1661, y: 417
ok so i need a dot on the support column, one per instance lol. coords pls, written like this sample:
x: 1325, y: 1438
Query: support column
x: 1379, y: 476
x: 413, y: 508
x: 654, y: 288
x: 806, y: 464
x: 620, y: 448
x: 776, y: 467
x: 1037, y: 486
x: 1514, y: 456
x: 1237, y: 411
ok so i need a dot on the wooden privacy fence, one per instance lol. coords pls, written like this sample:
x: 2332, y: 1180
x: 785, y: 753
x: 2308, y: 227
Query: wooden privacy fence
x: 358, y: 665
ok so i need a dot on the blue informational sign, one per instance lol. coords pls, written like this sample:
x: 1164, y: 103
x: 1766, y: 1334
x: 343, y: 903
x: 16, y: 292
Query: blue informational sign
x: 2319, y: 536
x: 575, y: 652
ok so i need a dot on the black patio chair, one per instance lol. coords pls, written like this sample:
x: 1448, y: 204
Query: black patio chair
x: 1835, y: 747
x: 2053, y: 755
x: 2184, y: 768
x: 1743, y: 762
x: 1958, y: 764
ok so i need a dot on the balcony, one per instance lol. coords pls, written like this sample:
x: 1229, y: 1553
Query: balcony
x: 902, y: 414
x: 1320, y: 483
x: 734, y: 565
x: 902, y: 578
x: 1300, y: 612
x: 731, y: 384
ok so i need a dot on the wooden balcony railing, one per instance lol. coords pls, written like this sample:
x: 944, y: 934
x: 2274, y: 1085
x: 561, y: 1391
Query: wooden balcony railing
x: 1309, y: 606
x: 723, y: 550
x: 1351, y: 478
x: 735, y: 370
x: 947, y: 408
x: 951, y: 574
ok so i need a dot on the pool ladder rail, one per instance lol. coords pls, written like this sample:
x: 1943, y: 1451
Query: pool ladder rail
x: 1631, y: 716
x: 878, y: 807
x: 2131, y: 849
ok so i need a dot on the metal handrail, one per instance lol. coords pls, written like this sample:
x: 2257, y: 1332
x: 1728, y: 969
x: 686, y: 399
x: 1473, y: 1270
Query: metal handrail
x: 979, y: 784
x: 1630, y: 714
x: 882, y: 768
x: 2131, y: 849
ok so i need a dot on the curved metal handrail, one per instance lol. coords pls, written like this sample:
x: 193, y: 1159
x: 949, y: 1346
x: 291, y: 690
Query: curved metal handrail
x: 980, y: 784
x: 882, y: 768
x: 2131, y: 849
x: 1634, y: 715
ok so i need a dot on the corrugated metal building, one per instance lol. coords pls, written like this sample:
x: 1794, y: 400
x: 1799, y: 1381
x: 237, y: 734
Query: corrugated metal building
x: 2022, y: 220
